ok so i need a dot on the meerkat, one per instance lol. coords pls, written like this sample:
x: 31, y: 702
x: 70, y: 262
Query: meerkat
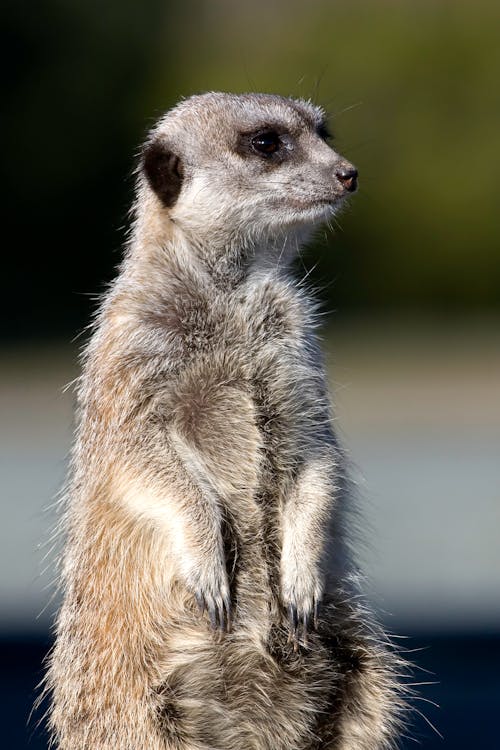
x: 209, y: 598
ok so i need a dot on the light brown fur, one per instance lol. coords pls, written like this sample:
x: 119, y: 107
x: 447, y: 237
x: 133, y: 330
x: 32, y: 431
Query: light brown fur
x: 206, y: 469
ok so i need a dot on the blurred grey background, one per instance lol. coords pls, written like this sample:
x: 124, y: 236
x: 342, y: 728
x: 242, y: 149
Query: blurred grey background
x: 417, y: 406
x: 409, y: 281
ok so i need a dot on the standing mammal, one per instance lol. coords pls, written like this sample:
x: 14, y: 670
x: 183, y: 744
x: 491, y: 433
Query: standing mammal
x: 209, y: 601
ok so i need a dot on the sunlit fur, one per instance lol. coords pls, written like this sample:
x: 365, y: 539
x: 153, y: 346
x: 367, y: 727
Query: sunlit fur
x: 205, y: 463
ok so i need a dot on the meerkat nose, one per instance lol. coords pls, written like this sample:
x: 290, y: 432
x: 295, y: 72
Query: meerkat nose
x: 348, y: 178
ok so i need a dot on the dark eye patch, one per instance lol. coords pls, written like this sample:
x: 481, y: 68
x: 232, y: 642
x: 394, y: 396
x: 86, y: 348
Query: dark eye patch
x: 324, y: 131
x: 266, y: 143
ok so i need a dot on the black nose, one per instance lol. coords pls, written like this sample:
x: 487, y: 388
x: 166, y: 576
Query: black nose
x: 348, y: 178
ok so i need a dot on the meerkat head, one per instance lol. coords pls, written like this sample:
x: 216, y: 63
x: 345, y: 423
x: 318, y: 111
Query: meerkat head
x: 237, y: 167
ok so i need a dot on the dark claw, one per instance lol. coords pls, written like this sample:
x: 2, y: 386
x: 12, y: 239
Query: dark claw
x: 305, y: 626
x: 212, y: 615
x: 315, y: 615
x: 292, y: 616
x: 200, y: 602
x: 221, y: 614
x: 293, y: 636
x: 301, y: 623
x: 219, y: 611
x: 227, y: 615
x: 227, y: 604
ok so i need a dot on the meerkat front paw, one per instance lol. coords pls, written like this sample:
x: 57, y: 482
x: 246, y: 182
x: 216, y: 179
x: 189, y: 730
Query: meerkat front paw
x: 211, y: 591
x: 301, y: 593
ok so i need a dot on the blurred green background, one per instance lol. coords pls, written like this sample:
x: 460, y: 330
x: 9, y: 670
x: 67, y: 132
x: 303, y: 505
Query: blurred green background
x: 410, y: 284
x: 412, y: 89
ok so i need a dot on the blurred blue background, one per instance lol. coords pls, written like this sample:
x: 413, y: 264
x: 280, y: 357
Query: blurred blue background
x: 410, y: 283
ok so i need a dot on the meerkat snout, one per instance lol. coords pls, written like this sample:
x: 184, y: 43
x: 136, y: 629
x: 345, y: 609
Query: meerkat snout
x: 348, y: 176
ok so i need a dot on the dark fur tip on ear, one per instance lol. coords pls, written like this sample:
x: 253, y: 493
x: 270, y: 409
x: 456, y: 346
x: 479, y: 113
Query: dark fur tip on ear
x: 164, y: 172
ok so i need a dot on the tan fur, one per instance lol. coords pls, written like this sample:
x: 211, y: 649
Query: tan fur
x: 205, y: 468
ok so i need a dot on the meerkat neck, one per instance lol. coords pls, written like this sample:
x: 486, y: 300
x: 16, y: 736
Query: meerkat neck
x: 223, y: 261
x: 236, y: 259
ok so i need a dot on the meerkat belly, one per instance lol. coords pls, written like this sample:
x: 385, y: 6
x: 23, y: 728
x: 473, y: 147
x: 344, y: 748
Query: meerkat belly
x: 240, y: 409
x: 217, y: 415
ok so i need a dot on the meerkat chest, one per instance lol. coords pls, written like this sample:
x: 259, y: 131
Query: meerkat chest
x: 282, y: 366
x: 240, y: 388
x: 263, y: 322
x: 257, y: 340
x: 270, y: 316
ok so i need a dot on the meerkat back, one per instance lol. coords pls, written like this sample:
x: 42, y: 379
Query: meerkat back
x: 209, y: 601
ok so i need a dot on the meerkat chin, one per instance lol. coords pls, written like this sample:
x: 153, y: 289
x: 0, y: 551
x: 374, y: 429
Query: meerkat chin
x: 209, y: 599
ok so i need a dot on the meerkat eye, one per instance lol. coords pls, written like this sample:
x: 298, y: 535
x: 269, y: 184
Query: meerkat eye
x: 267, y: 143
x: 324, y: 132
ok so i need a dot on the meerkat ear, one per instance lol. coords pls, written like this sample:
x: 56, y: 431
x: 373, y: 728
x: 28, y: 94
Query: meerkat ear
x: 164, y: 172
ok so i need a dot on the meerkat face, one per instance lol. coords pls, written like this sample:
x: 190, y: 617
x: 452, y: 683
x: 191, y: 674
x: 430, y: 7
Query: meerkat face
x: 245, y: 165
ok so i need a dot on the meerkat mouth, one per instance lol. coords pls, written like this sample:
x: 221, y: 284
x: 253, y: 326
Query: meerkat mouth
x: 307, y: 204
x: 317, y: 203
